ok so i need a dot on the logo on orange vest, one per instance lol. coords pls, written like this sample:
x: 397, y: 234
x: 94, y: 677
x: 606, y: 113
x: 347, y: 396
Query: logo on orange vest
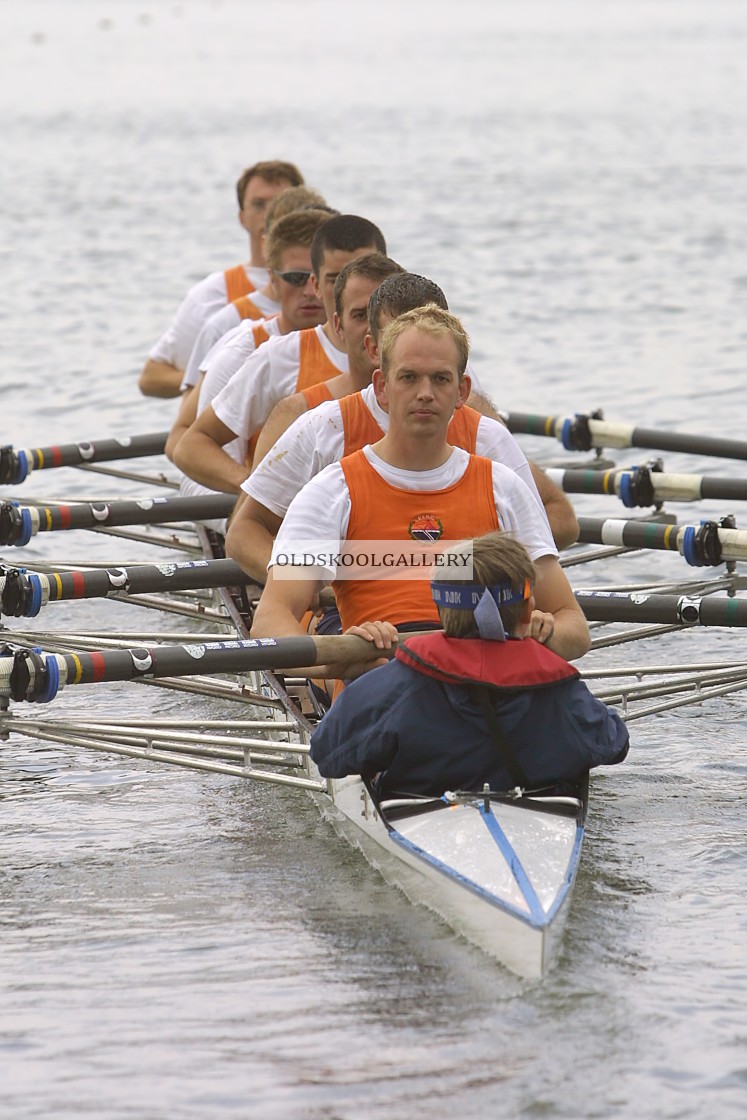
x: 425, y: 527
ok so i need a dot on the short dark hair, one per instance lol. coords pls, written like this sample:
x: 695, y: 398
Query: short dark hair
x: 274, y: 171
x: 374, y: 266
x: 401, y: 293
x: 347, y: 232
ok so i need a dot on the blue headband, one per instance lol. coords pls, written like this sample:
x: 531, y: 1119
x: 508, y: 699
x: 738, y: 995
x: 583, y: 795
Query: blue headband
x: 484, y: 602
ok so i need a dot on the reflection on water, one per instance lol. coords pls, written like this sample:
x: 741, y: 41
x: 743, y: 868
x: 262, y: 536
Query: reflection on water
x: 183, y: 944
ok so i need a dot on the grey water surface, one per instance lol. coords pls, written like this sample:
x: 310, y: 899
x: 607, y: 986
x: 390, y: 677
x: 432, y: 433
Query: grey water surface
x: 574, y: 176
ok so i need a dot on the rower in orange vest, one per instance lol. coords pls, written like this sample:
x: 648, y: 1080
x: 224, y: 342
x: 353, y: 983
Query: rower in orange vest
x: 163, y: 371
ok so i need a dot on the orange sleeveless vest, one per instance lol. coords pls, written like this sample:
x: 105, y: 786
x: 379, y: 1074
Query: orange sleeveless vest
x: 314, y: 365
x: 247, y: 309
x: 382, y: 512
x: 237, y: 283
x: 260, y: 335
x: 317, y: 394
x: 361, y: 428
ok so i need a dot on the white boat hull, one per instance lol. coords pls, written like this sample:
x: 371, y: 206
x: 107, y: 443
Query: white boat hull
x: 502, y: 878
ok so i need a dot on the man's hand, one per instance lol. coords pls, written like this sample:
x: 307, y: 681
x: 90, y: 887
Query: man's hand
x: 382, y: 635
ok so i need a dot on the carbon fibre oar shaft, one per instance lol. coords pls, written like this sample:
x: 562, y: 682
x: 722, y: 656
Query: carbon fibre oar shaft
x: 18, y: 524
x: 709, y: 543
x: 36, y: 677
x: 644, y: 486
x: 582, y: 432
x: 684, y: 610
x: 15, y: 466
x: 24, y: 593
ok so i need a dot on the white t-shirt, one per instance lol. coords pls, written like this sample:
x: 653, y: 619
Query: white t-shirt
x: 216, y: 327
x: 317, y: 438
x: 321, y: 511
x: 198, y: 305
x: 229, y: 354
x: 265, y: 378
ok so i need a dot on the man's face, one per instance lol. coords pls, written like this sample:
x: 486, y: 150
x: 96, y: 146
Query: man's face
x: 258, y: 195
x: 333, y: 262
x: 298, y: 297
x: 422, y: 389
x: 352, y: 324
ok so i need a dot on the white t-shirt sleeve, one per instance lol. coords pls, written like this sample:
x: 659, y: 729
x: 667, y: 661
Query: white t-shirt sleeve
x: 316, y: 524
x: 248, y: 400
x: 210, y: 333
x: 175, y: 346
x: 494, y: 441
x: 312, y: 442
x: 520, y: 513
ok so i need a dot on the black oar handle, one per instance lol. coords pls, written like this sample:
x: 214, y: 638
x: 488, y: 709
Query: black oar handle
x: 18, y: 524
x: 16, y: 465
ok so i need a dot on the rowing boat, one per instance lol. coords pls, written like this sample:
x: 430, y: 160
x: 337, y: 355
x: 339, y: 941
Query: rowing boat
x: 497, y: 866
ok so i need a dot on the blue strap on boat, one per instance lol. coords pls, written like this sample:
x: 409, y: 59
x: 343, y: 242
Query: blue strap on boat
x: 536, y: 910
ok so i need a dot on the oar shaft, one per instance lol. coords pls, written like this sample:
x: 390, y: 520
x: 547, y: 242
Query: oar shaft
x: 706, y: 610
x: 19, y: 523
x: 583, y: 432
x: 707, y: 543
x: 24, y: 593
x: 15, y: 465
x: 27, y: 675
x: 640, y: 486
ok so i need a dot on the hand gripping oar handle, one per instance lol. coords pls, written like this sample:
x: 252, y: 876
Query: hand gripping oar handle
x: 15, y: 466
x: 37, y: 677
x: 18, y: 524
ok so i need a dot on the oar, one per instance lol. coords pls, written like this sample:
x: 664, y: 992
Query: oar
x: 709, y: 543
x: 15, y: 466
x: 18, y: 524
x: 582, y: 432
x: 36, y: 677
x: 648, y: 485
x: 677, y: 610
x: 24, y: 593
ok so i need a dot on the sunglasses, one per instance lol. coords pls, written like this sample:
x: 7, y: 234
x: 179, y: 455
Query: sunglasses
x: 297, y: 278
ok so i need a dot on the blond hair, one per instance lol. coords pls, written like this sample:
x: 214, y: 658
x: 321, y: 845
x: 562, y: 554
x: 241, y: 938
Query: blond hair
x: 293, y: 198
x: 496, y: 558
x: 432, y: 320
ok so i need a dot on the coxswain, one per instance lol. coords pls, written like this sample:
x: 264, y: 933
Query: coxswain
x: 476, y: 704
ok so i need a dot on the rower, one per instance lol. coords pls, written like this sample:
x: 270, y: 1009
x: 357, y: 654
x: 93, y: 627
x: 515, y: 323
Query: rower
x: 477, y: 704
x: 395, y: 296
x: 260, y: 304
x: 163, y: 371
x: 409, y: 485
x: 288, y: 254
x: 324, y: 434
x: 281, y: 367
